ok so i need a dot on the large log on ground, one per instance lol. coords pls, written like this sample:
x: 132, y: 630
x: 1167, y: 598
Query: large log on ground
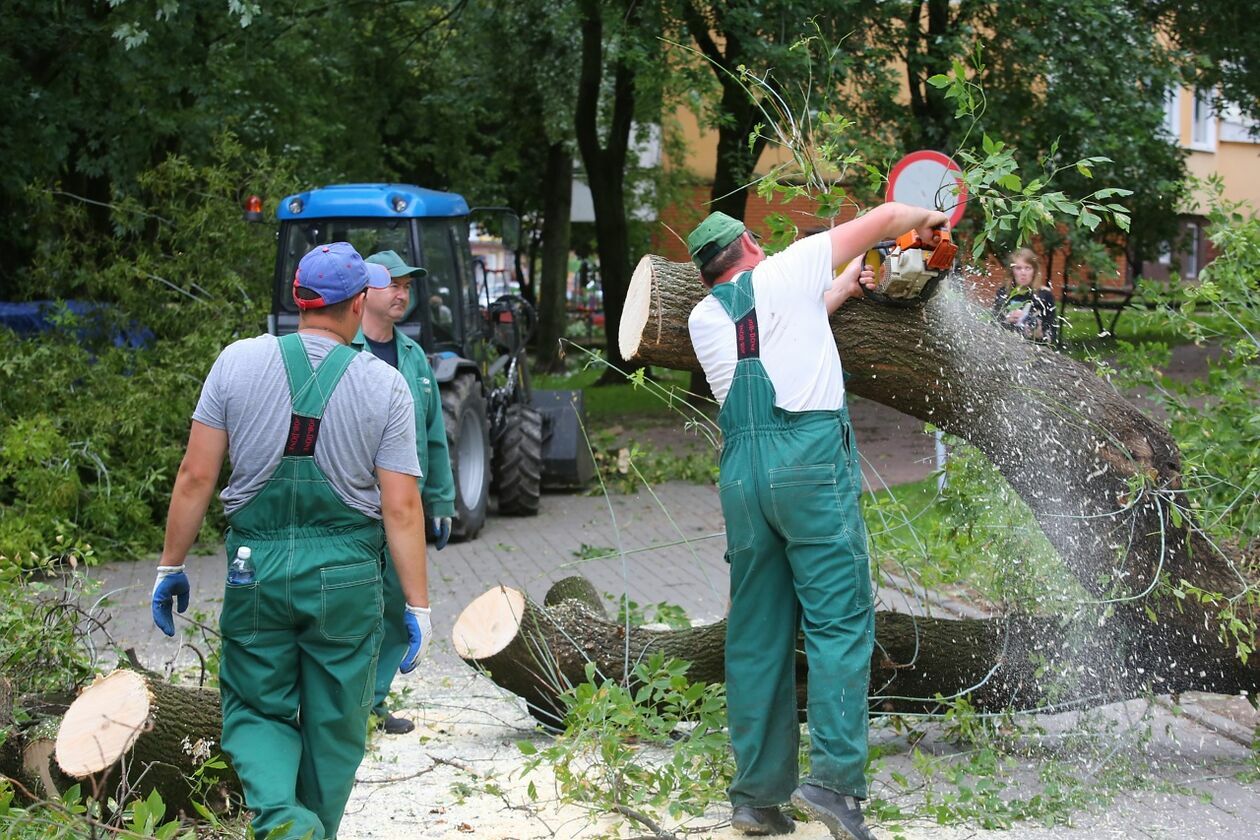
x: 139, y: 731
x: 1007, y: 662
x: 1100, y: 477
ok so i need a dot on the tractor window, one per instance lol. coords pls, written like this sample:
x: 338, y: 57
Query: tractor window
x: 441, y: 287
x: 366, y: 235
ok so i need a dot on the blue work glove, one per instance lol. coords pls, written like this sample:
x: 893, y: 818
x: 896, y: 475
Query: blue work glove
x: 419, y: 630
x: 439, y: 531
x: 171, y: 584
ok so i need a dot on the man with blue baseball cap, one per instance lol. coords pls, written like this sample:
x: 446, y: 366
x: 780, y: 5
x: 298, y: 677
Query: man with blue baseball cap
x: 323, y: 448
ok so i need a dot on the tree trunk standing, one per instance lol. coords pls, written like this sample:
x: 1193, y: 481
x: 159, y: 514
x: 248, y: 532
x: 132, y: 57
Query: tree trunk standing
x: 735, y: 160
x: 1098, y: 475
x: 553, y: 283
x: 605, y: 165
x: 928, y: 51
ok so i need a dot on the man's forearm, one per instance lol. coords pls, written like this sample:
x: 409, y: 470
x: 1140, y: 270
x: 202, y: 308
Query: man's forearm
x: 189, y: 500
x: 404, y: 531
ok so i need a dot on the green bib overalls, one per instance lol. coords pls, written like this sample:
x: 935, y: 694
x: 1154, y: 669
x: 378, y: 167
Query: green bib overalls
x: 300, y: 641
x: 796, y: 543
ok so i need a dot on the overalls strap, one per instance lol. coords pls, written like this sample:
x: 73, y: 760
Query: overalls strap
x: 737, y: 299
x: 311, y: 389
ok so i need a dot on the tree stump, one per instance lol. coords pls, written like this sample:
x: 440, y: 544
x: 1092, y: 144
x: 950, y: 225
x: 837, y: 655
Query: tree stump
x: 142, y: 733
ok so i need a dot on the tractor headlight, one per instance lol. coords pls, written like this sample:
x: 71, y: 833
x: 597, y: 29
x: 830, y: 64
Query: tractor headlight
x: 400, y: 204
x: 295, y: 206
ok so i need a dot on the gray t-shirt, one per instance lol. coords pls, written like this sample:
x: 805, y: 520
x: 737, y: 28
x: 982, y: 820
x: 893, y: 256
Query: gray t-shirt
x: 369, y: 421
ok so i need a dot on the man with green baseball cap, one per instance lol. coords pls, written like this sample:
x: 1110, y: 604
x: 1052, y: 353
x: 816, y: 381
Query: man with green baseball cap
x: 789, y: 483
x: 382, y: 310
x: 712, y: 235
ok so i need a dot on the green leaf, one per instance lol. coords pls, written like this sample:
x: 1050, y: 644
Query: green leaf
x: 940, y: 80
x: 526, y: 747
x: 1089, y: 220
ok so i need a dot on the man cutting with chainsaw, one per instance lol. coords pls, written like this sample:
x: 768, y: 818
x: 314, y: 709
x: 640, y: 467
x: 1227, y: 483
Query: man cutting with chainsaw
x: 323, y: 450
x: 789, y: 487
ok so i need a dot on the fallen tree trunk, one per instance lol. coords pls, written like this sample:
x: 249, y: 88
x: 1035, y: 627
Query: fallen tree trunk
x: 1012, y: 662
x: 1100, y: 477
x: 136, y: 732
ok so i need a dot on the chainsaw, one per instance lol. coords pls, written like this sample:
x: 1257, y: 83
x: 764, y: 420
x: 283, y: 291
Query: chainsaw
x: 907, y: 268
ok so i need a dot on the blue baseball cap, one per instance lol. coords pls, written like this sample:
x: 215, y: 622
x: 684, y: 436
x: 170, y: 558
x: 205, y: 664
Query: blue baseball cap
x: 333, y: 273
x: 378, y: 276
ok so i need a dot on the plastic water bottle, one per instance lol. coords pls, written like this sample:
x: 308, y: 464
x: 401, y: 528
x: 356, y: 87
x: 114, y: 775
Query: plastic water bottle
x: 240, y: 570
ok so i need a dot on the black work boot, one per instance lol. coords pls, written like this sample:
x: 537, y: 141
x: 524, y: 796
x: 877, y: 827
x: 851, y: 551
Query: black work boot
x: 761, y: 821
x: 841, y: 814
x: 394, y: 725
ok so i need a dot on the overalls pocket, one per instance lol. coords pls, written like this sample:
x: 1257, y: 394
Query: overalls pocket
x: 739, y: 531
x: 806, y: 503
x: 238, y: 620
x: 851, y: 455
x: 349, y: 601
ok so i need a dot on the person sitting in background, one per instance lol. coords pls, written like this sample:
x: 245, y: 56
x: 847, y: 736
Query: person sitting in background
x: 1027, y: 306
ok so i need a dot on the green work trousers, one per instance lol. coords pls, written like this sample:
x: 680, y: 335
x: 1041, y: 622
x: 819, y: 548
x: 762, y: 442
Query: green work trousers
x: 300, y: 640
x: 394, y: 639
x: 796, y: 543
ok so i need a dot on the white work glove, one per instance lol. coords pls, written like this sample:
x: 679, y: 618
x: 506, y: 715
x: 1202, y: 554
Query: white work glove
x: 419, y: 630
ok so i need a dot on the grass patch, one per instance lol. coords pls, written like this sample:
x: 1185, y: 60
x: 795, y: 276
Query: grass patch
x: 1138, y: 325
x: 621, y: 401
x: 975, y: 533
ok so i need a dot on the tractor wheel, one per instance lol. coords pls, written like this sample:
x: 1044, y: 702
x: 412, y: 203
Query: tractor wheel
x: 468, y: 438
x: 518, y: 462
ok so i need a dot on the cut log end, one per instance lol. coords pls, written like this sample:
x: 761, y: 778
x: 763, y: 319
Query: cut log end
x: 634, y: 317
x: 489, y: 623
x: 103, y: 723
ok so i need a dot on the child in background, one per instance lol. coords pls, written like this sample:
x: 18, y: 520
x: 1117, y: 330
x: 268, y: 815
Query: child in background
x: 1027, y: 306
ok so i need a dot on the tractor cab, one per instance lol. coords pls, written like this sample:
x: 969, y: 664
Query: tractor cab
x: 476, y: 346
x: 424, y: 227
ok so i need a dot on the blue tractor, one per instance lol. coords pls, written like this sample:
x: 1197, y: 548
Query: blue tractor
x: 476, y: 345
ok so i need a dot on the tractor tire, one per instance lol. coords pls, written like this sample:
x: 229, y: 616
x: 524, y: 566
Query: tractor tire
x: 468, y: 438
x: 518, y: 462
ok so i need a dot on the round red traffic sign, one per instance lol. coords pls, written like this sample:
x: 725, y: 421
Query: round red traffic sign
x: 929, y: 179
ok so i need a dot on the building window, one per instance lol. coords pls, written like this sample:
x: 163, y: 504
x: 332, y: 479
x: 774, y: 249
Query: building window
x: 1172, y: 113
x: 1191, y: 260
x: 1203, y: 122
x: 1237, y: 127
x: 1165, y: 253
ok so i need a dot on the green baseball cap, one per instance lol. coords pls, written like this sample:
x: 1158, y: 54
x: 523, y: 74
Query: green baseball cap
x: 395, y: 264
x: 712, y: 235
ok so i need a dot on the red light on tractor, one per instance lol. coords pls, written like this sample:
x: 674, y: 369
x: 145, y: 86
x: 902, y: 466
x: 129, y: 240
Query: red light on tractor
x: 253, y: 209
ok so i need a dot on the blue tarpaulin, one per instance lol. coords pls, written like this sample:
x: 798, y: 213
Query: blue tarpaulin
x: 38, y: 316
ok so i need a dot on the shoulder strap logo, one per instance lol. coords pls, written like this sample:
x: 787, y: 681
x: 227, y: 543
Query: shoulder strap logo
x: 747, y: 339
x: 303, y: 432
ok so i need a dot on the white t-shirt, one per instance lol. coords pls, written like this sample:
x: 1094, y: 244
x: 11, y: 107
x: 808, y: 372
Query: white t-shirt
x: 797, y: 347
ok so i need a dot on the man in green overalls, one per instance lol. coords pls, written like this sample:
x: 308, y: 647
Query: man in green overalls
x: 323, y: 450
x: 383, y: 308
x: 789, y: 487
